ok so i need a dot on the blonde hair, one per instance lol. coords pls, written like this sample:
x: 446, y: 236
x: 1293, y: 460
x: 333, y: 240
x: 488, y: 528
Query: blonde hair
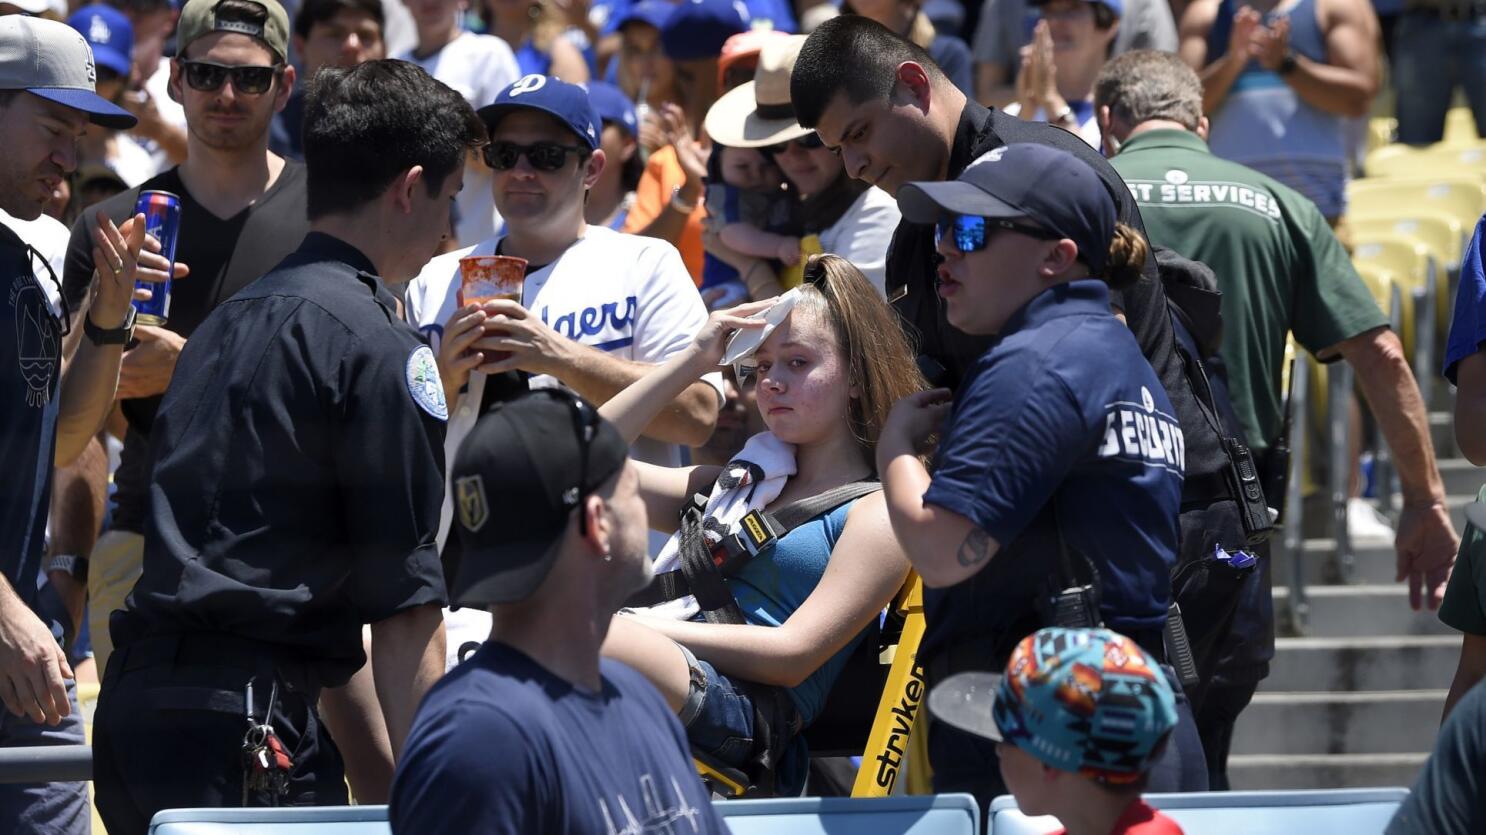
x: 880, y: 360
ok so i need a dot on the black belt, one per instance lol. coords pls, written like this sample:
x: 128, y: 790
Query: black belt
x: 218, y: 649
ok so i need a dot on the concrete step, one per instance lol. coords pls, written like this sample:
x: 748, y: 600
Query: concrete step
x: 1362, y: 610
x: 1368, y: 722
x: 1442, y: 432
x: 1461, y: 477
x: 1373, y: 561
x: 1413, y: 662
x: 1256, y: 772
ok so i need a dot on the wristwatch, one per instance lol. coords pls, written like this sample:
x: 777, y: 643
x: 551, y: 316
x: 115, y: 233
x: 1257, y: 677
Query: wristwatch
x: 68, y: 563
x: 110, y: 336
x: 1287, y: 64
x: 680, y: 204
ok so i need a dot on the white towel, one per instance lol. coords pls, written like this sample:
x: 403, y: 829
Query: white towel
x: 750, y: 481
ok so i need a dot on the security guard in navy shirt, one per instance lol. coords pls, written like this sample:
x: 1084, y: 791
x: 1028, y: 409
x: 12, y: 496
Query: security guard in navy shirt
x: 1060, y: 462
x: 297, y: 483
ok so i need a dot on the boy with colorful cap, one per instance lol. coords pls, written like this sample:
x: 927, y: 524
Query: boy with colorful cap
x: 1078, y: 718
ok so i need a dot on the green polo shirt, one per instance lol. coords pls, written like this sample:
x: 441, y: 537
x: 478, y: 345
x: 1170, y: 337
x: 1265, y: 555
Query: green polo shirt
x: 1465, y: 597
x: 1278, y: 264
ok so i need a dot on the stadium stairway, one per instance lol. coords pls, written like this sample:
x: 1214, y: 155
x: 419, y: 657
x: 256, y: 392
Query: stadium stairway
x: 1355, y: 701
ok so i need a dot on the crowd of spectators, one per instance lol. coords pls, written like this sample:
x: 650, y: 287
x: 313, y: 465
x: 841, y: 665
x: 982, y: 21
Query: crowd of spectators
x: 903, y: 264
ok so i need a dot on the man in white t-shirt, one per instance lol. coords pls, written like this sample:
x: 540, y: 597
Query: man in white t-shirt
x: 477, y: 67
x: 599, y: 308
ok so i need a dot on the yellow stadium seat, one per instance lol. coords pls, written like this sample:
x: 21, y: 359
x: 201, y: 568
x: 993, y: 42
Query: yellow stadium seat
x: 1433, y: 161
x: 1460, y: 197
x: 1441, y: 232
x: 1380, y: 130
x: 1386, y: 263
x: 1460, y: 127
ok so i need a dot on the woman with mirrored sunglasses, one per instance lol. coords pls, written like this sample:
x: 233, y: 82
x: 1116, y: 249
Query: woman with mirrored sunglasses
x: 1056, y: 483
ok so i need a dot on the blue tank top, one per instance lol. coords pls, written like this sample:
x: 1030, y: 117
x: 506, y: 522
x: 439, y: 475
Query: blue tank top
x: 772, y: 586
x: 531, y: 60
x: 1265, y: 125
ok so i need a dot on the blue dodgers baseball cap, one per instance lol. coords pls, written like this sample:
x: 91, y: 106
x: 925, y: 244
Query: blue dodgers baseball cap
x: 649, y: 12
x: 1054, y: 188
x: 568, y: 103
x: 1088, y: 701
x: 697, y: 29
x: 109, y: 33
x: 613, y: 106
x: 52, y: 60
x: 1117, y: 7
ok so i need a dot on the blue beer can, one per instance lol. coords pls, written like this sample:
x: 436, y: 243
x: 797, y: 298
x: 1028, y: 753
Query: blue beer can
x: 162, y: 219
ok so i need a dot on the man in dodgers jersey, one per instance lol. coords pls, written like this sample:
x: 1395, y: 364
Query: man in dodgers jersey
x: 599, y: 308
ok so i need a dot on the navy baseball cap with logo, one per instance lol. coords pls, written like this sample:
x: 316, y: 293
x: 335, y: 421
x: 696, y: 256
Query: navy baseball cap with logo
x: 1057, y: 190
x: 516, y: 480
x: 109, y: 34
x: 614, y: 107
x: 52, y: 60
x: 697, y: 29
x: 568, y: 103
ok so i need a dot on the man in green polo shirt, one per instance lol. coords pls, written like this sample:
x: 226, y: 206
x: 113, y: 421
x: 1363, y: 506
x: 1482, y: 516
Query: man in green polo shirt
x: 1281, y: 270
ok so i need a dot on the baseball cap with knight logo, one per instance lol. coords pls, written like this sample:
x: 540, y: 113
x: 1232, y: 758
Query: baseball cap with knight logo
x: 200, y: 18
x: 52, y: 60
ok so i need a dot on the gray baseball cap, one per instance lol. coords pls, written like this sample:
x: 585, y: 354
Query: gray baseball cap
x: 52, y: 60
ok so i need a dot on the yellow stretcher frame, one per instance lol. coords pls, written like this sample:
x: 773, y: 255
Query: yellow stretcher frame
x: 900, y: 711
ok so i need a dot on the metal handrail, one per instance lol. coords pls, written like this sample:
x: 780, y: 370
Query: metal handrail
x: 46, y: 764
x: 1293, y: 512
x: 1339, y: 469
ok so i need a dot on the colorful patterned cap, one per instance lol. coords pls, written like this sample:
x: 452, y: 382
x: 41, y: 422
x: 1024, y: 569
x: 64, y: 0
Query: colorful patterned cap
x: 1089, y: 701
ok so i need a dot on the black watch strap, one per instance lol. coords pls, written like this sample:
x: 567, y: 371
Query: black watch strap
x: 109, y: 336
x: 1287, y: 64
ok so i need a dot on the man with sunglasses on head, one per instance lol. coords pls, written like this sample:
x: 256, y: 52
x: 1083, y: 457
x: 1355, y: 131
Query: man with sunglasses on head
x: 598, y: 307
x: 242, y: 211
x: 295, y: 490
x: 535, y: 733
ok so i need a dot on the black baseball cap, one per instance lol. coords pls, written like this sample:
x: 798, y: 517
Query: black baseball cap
x: 515, y: 480
x: 1054, y: 188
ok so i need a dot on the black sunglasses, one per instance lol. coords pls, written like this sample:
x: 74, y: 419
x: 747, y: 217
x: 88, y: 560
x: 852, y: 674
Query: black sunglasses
x: 544, y: 156
x: 250, y: 80
x: 971, y: 233
x: 808, y: 142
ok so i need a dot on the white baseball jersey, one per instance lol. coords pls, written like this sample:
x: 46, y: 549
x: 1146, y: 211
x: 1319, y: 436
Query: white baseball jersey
x: 627, y: 295
x: 476, y: 67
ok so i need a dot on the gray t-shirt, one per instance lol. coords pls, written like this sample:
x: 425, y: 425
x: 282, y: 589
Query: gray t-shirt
x: 1006, y: 25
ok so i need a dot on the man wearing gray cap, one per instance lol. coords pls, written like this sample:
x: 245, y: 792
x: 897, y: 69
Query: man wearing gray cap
x: 47, y: 100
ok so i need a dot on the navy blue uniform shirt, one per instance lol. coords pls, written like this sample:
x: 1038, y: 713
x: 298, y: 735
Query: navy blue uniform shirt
x: 298, y: 468
x: 502, y: 745
x: 1061, y: 425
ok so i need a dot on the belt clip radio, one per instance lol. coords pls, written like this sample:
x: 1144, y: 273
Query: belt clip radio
x: 1243, y: 478
x: 1076, y: 607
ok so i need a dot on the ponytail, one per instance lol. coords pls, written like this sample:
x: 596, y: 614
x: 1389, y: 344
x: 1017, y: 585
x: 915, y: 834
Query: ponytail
x: 1128, y: 251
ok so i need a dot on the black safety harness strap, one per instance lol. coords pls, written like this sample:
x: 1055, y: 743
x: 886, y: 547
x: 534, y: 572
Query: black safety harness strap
x: 704, y: 570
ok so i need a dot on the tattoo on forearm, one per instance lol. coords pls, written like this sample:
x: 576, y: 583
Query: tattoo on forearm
x: 976, y: 548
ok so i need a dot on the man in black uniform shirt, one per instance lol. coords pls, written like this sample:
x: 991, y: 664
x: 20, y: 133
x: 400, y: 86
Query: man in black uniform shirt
x: 894, y: 118
x: 242, y: 211
x: 298, y: 474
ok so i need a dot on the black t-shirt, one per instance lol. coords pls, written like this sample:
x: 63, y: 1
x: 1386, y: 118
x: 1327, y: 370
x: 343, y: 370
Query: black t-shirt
x: 299, y: 457
x: 30, y: 366
x: 224, y: 254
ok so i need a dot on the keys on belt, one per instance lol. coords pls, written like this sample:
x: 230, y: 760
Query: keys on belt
x: 266, y: 762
